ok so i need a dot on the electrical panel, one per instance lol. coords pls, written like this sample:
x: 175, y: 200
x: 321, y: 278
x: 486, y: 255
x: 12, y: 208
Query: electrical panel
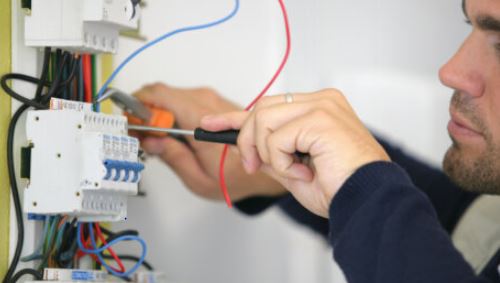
x: 88, y: 26
x: 82, y: 163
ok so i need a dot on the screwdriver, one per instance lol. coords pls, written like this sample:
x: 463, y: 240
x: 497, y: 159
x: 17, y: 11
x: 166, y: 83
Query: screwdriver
x: 225, y: 137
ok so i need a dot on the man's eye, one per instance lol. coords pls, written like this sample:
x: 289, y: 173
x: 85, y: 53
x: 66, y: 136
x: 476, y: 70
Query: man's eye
x: 467, y: 21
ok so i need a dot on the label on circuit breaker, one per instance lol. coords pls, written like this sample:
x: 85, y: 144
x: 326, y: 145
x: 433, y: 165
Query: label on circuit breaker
x: 62, y: 104
x: 120, y: 147
x: 59, y: 274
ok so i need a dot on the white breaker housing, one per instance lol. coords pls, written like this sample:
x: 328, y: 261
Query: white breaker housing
x: 82, y: 164
x: 79, y: 25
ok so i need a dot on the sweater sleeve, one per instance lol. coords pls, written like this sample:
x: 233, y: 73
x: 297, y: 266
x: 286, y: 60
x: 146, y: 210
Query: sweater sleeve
x: 449, y: 201
x: 383, y: 229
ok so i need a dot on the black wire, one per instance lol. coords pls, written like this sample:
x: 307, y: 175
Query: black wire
x: 146, y: 264
x: 15, y: 191
x: 120, y: 233
x: 45, y: 72
x: 56, y: 84
x: 73, y: 62
x: 26, y: 271
x: 40, y: 103
x: 68, y: 244
x: 17, y: 96
x: 11, y: 166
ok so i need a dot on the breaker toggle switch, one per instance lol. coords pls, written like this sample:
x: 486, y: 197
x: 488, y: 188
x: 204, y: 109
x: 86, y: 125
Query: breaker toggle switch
x: 120, y: 171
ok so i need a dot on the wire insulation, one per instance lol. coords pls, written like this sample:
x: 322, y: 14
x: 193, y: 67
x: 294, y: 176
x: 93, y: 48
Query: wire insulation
x: 222, y: 179
x: 164, y: 37
x: 111, y: 251
x: 97, y: 251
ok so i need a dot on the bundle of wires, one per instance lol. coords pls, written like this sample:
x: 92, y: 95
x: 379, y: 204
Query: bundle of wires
x: 88, y: 245
x: 67, y: 76
x: 54, y: 87
x: 60, y: 246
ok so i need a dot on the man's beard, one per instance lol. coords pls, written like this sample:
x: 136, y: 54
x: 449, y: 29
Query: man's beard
x: 471, y: 170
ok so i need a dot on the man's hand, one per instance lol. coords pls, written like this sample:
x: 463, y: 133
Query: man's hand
x: 197, y: 163
x: 322, y: 124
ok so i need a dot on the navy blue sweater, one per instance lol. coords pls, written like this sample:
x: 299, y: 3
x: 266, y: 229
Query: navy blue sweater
x: 390, y: 222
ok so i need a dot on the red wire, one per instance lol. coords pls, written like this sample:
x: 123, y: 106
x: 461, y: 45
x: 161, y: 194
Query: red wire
x: 111, y: 251
x: 222, y: 178
x: 87, y: 77
x: 86, y: 245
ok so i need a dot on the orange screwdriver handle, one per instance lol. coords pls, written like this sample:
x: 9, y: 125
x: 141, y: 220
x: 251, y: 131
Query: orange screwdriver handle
x: 159, y: 118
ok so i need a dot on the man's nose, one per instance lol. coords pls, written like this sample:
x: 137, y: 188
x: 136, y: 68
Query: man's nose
x: 462, y: 72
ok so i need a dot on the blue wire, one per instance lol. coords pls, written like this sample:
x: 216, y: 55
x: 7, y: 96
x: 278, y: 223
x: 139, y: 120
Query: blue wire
x: 38, y: 253
x: 98, y: 251
x: 161, y: 38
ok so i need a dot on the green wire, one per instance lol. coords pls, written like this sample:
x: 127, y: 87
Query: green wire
x: 49, y: 241
x: 94, y: 80
x: 53, y: 65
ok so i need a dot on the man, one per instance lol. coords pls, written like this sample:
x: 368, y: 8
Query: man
x: 387, y: 216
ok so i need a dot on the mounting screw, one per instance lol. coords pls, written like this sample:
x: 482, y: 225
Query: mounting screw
x: 34, y: 203
x: 77, y: 194
x: 58, y: 155
x: 96, y: 184
x: 79, y: 126
x: 37, y: 118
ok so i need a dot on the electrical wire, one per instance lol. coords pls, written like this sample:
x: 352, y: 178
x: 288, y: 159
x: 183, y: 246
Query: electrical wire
x: 10, y: 158
x: 38, y: 253
x: 15, y: 95
x: 222, y: 179
x: 45, y: 72
x: 110, y: 250
x: 164, y: 37
x: 81, y: 91
x: 15, y: 192
x: 40, y: 101
x: 87, y: 77
x: 28, y: 271
x: 97, y: 107
x: 97, y: 251
x: 145, y: 263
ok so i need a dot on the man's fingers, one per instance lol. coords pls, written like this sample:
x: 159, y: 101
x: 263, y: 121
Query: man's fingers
x: 227, y: 121
x: 237, y: 120
x: 269, y: 119
x: 151, y: 95
x: 290, y: 138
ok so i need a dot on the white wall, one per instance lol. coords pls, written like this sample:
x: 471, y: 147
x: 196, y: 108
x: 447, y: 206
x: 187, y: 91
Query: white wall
x: 383, y: 54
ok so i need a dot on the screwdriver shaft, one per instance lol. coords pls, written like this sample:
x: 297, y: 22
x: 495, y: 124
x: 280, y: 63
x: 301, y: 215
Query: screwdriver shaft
x: 162, y: 130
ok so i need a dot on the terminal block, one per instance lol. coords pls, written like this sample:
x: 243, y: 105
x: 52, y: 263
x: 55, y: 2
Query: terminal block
x: 82, y: 163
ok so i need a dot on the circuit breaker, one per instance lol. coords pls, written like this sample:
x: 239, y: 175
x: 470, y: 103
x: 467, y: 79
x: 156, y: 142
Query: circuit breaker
x: 89, y: 26
x: 82, y: 163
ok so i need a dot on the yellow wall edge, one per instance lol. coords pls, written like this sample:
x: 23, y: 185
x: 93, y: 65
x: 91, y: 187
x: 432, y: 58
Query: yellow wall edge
x: 107, y: 69
x: 5, y: 113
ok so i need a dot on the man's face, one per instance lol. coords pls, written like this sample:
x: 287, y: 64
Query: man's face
x: 473, y: 160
